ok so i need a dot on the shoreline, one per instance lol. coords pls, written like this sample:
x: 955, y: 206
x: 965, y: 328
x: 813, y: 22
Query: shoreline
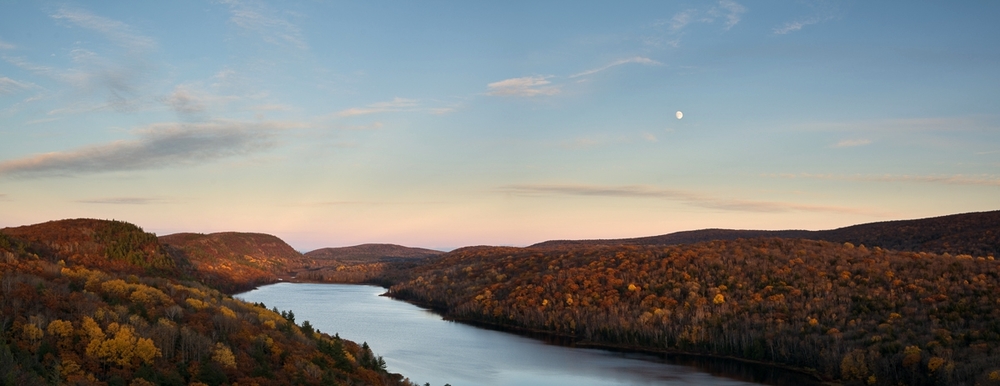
x: 572, y: 341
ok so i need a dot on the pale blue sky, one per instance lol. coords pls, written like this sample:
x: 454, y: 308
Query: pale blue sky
x: 444, y: 124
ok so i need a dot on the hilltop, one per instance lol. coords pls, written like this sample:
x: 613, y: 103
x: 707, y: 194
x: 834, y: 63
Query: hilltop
x: 372, y: 252
x: 975, y: 233
x: 111, y: 245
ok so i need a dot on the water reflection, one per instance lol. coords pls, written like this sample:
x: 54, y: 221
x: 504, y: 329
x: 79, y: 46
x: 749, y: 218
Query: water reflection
x: 422, y: 346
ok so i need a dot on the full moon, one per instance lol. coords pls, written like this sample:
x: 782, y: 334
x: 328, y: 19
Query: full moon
x: 680, y: 115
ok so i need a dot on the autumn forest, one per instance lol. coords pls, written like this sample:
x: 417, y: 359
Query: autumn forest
x: 96, y: 302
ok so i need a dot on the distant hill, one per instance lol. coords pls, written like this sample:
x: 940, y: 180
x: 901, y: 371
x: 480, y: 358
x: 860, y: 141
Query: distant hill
x: 232, y: 261
x: 977, y: 234
x: 372, y: 252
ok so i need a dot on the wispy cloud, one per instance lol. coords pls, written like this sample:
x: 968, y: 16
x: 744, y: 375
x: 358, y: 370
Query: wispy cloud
x: 731, y: 10
x: 823, y: 11
x: 158, y: 146
x: 689, y: 198
x: 184, y: 101
x: 257, y: 18
x: 634, y: 59
x: 6, y: 46
x: 395, y: 105
x: 681, y: 19
x: 10, y: 86
x: 793, y: 26
x: 114, y: 30
x: 124, y: 201
x: 954, y: 179
x: 675, y: 27
x: 118, y: 76
x: 191, y: 100
x: 852, y: 143
x: 527, y: 86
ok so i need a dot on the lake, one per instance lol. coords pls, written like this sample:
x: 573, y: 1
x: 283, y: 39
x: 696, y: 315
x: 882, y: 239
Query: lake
x: 424, y: 347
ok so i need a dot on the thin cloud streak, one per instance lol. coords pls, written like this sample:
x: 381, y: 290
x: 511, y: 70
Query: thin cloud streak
x: 271, y: 29
x: 793, y: 26
x: 124, y: 201
x: 634, y: 59
x: 158, y: 146
x: 689, y: 198
x: 825, y: 13
x: 956, y: 179
x: 10, y: 86
x: 527, y: 86
x: 852, y: 143
x: 902, y: 125
x: 395, y: 105
x: 114, y: 30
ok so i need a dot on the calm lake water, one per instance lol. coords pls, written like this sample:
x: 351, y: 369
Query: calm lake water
x: 425, y: 348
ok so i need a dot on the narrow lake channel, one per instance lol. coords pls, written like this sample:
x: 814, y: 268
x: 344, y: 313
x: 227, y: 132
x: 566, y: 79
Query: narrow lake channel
x: 426, y: 348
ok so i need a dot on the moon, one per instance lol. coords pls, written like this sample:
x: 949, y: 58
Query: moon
x: 680, y: 115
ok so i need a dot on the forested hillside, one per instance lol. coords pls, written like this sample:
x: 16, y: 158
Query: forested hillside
x: 371, y: 253
x: 844, y: 312
x: 100, y: 303
x: 967, y: 233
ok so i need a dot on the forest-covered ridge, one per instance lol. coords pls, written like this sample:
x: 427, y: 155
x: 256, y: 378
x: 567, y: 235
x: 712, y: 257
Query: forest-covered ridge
x: 236, y: 261
x: 844, y: 312
x: 976, y: 233
x: 372, y: 253
x: 102, y: 303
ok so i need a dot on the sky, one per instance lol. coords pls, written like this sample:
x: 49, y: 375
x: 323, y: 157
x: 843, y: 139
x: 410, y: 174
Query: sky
x: 446, y: 124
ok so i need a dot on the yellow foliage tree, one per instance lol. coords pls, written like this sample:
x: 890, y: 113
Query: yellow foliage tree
x: 935, y: 363
x: 911, y: 356
x: 149, y: 295
x: 227, y: 312
x: 224, y: 356
x: 196, y: 304
x: 63, y: 331
x: 854, y: 366
x: 32, y: 333
x: 123, y: 347
x: 117, y: 287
